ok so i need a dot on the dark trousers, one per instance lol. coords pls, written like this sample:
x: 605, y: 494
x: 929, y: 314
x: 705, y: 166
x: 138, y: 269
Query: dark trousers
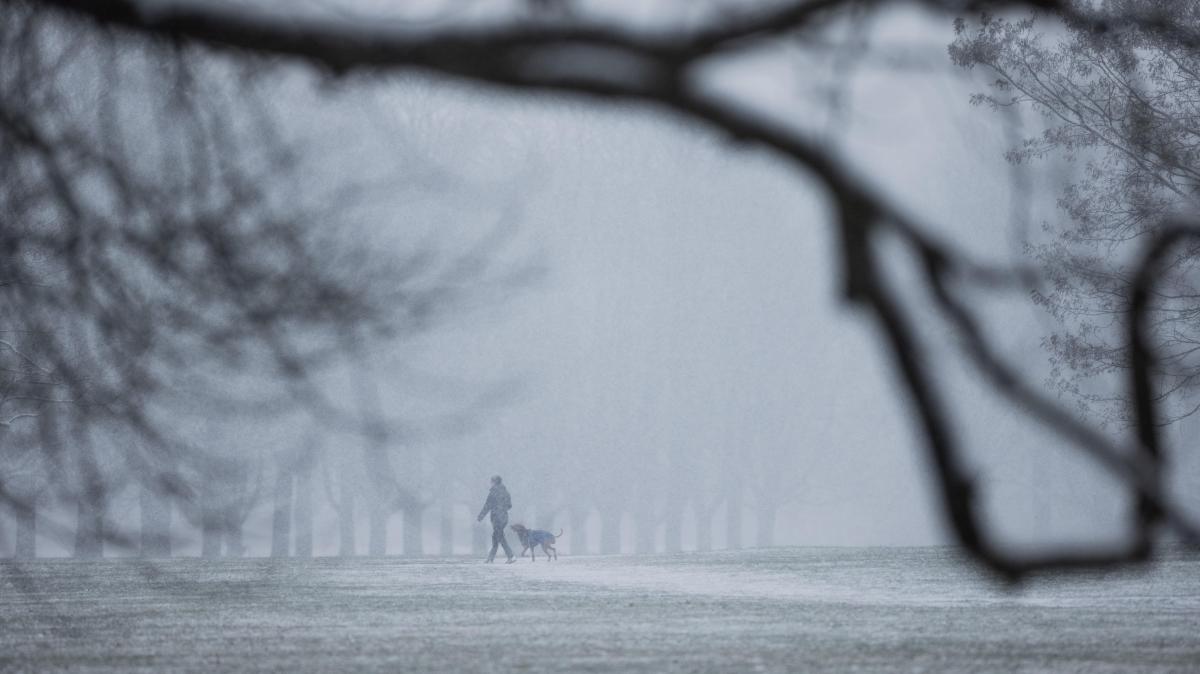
x: 498, y: 539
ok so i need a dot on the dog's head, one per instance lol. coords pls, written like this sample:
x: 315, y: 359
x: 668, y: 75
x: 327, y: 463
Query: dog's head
x: 519, y: 528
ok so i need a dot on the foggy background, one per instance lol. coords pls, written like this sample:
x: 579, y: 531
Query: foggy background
x: 674, y: 368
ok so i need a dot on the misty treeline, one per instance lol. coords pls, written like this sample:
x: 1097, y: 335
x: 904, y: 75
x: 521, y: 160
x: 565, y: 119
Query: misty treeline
x: 198, y: 271
x: 172, y: 279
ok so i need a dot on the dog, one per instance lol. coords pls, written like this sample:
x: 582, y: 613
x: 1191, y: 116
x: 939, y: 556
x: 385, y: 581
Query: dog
x: 531, y: 538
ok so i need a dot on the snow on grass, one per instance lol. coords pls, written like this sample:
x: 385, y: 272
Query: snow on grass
x: 796, y: 609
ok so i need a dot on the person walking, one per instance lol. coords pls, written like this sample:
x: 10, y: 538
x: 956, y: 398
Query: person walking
x: 498, y: 504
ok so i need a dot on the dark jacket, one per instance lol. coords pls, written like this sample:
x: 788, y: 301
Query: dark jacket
x: 498, y: 504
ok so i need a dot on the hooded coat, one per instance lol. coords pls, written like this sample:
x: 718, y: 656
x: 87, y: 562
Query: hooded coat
x: 498, y: 504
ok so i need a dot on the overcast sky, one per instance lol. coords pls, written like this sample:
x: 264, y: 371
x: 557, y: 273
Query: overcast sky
x: 689, y: 295
x: 688, y: 301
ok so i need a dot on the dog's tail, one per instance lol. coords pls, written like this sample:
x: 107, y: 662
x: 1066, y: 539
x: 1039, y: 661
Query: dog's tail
x: 559, y: 534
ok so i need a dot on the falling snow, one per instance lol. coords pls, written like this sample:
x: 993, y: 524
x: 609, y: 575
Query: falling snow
x: 793, y: 609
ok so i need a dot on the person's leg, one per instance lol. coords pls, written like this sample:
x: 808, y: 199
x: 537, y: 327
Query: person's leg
x: 496, y: 534
x: 504, y: 541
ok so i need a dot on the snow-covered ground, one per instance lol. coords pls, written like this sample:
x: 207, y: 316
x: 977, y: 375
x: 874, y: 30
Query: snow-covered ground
x: 785, y: 610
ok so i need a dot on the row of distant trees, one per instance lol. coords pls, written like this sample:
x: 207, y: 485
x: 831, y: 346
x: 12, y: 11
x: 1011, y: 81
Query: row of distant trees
x: 72, y: 481
x: 319, y: 493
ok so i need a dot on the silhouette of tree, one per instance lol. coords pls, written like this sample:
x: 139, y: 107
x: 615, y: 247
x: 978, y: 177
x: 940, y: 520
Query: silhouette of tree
x: 1123, y: 104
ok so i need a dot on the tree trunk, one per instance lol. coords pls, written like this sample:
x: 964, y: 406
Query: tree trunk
x: 414, y: 532
x: 346, y: 547
x: 89, y: 527
x: 156, y: 523
x: 766, y: 525
x: 211, y: 522
x: 703, y: 528
x: 26, y: 544
x: 446, y: 527
x: 281, y: 517
x: 377, y: 520
x: 610, y: 532
x: 303, y: 522
x: 481, y: 538
x: 578, y: 534
x: 644, y: 531
x: 733, y: 516
x: 233, y: 534
x: 673, y: 529
x: 212, y: 518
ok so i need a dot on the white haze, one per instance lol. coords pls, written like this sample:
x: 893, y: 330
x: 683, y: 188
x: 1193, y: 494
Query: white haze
x: 690, y: 301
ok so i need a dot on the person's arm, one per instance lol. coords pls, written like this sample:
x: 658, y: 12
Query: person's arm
x: 487, y: 505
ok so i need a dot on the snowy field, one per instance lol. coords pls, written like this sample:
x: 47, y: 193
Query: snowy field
x: 782, y: 610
